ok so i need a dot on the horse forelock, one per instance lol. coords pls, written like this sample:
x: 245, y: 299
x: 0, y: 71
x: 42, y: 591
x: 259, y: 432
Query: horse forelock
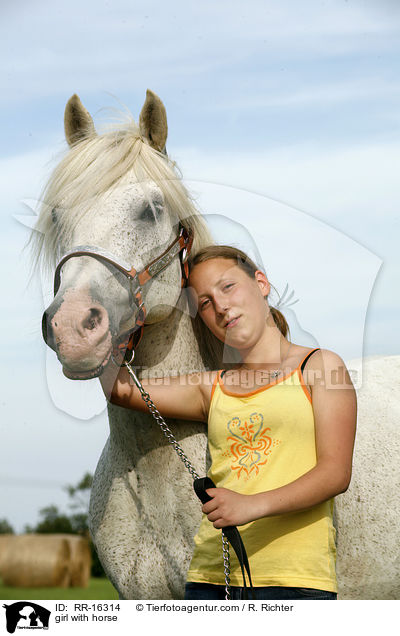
x: 96, y: 167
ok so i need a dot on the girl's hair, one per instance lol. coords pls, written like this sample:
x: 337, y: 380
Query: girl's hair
x: 209, y: 344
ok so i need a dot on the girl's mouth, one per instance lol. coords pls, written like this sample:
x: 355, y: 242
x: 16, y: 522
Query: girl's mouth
x: 232, y: 323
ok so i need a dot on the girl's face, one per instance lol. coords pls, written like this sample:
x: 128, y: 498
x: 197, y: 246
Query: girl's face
x: 230, y: 303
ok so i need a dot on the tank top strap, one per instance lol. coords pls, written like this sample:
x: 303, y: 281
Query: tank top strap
x: 309, y: 354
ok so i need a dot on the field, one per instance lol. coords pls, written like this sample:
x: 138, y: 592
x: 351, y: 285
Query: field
x: 98, y: 589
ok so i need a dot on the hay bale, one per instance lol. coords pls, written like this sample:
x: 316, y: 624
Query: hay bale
x: 81, y: 559
x: 5, y: 542
x: 37, y: 560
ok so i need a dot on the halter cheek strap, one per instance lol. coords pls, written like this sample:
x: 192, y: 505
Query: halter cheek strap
x: 181, y: 245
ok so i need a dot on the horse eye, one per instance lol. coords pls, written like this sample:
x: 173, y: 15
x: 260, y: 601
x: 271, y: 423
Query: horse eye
x: 151, y: 213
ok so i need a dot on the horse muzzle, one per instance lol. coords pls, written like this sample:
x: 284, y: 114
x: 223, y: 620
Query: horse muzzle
x: 78, y: 330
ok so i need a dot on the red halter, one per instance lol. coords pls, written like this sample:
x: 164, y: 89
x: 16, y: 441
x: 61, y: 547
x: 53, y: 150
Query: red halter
x: 181, y: 246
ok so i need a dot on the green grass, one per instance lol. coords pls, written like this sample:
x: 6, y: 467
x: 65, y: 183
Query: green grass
x: 97, y: 589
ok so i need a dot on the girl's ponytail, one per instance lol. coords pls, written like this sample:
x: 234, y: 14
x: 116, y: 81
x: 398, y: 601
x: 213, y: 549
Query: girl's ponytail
x: 280, y: 321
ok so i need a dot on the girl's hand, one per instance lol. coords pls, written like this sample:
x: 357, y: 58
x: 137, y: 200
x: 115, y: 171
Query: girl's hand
x: 229, y: 508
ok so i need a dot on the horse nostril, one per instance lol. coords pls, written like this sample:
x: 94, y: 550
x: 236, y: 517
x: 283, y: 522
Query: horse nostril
x: 92, y: 320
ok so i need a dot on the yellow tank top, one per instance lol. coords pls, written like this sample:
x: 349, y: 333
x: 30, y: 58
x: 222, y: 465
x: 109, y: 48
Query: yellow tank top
x: 259, y: 441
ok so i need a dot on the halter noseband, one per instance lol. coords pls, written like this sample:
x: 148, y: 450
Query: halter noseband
x: 180, y: 246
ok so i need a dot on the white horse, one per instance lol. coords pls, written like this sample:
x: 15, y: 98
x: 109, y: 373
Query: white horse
x: 118, y: 192
x: 367, y: 515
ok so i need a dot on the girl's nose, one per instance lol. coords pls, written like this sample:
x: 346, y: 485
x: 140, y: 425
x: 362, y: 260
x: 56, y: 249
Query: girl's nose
x: 221, y: 306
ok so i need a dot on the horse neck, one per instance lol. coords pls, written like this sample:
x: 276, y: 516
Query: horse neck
x: 169, y: 347
x: 166, y: 348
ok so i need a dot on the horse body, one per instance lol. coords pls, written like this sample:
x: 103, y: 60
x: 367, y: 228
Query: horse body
x: 119, y: 192
x: 367, y: 515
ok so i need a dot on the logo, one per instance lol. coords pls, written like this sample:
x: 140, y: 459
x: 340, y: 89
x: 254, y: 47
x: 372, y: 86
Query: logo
x: 26, y: 615
x: 251, y: 444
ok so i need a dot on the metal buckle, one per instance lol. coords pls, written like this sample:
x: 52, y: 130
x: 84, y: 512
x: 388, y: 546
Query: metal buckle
x: 124, y: 360
x: 132, y: 356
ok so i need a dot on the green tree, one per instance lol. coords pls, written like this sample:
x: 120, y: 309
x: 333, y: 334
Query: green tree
x: 5, y: 527
x: 53, y: 521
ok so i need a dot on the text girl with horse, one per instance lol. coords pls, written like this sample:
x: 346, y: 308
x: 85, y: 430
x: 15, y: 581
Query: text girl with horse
x: 281, y: 427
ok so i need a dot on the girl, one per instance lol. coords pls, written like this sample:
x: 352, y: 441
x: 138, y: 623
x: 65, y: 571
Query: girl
x: 281, y: 427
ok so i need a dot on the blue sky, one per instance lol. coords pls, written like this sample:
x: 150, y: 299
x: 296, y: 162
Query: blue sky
x: 290, y: 108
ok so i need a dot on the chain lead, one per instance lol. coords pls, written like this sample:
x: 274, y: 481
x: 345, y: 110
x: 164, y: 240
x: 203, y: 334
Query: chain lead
x: 227, y: 566
x: 162, y: 423
x: 179, y: 450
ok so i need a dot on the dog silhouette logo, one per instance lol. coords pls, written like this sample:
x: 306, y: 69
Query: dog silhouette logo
x: 26, y: 615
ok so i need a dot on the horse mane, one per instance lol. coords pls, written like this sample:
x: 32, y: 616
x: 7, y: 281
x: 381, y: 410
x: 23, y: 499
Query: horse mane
x: 97, y: 166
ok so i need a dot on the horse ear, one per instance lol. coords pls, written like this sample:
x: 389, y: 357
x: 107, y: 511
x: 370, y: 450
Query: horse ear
x: 153, y: 121
x: 78, y: 123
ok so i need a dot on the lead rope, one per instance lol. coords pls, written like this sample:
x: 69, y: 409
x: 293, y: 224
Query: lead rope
x: 181, y: 454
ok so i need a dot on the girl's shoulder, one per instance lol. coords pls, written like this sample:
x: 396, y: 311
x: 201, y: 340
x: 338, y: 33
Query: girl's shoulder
x: 323, y: 357
x: 326, y: 368
x: 318, y: 358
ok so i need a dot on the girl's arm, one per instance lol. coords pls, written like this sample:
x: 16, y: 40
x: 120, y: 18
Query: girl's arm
x: 183, y: 397
x: 335, y: 413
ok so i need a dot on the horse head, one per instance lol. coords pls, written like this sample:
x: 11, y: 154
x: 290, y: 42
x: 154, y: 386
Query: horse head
x: 115, y: 202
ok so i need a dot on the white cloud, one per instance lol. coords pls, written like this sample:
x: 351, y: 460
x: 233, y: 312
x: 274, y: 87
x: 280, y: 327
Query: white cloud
x: 22, y: 176
x: 335, y: 92
x: 103, y: 47
x: 340, y: 185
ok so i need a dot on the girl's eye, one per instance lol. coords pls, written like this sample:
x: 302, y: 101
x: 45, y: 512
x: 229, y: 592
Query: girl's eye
x: 204, y: 304
x: 228, y: 286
